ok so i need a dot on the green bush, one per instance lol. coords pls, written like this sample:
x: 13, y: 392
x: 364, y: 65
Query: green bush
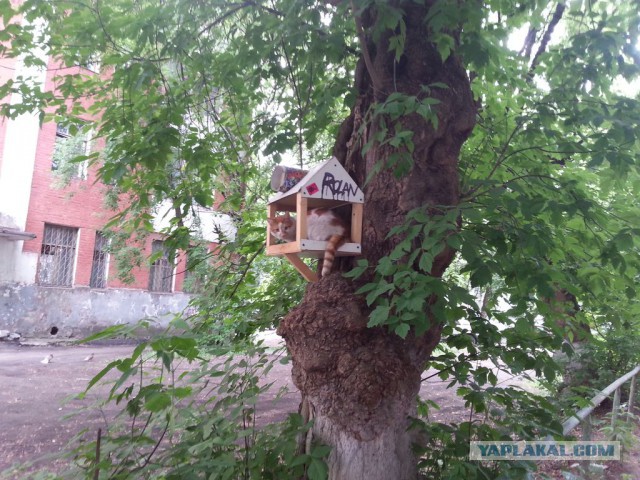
x: 189, y: 412
x: 608, y: 357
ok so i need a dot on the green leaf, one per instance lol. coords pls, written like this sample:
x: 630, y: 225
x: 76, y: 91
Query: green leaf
x: 379, y: 316
x: 320, y: 451
x: 367, y: 287
x: 182, y: 392
x: 299, y: 460
x: 102, y: 373
x: 402, y: 330
x: 157, y: 402
x: 386, y: 266
x: 444, y: 44
x: 111, y: 332
x: 380, y: 289
x: 361, y: 266
x: 481, y: 276
x: 317, y: 470
x: 426, y: 262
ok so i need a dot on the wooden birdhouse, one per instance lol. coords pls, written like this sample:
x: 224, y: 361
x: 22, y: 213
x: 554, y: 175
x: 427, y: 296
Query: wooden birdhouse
x: 327, y: 185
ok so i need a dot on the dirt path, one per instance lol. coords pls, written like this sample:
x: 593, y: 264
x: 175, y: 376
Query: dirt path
x: 35, y: 398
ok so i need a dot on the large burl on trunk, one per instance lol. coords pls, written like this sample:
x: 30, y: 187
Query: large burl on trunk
x: 362, y: 382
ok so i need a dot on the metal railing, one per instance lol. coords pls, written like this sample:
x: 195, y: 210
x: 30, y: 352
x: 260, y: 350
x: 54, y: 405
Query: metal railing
x: 100, y: 263
x: 584, y: 415
x: 57, y: 256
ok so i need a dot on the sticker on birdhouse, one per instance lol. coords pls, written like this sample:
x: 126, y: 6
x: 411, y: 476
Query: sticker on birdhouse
x: 326, y: 181
x: 285, y: 178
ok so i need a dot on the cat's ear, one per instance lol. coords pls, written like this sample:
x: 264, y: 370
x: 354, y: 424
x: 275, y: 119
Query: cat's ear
x: 272, y: 222
x: 286, y: 215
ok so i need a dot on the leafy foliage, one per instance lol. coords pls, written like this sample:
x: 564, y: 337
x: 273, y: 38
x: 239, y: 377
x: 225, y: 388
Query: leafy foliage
x: 621, y: 429
x: 607, y: 358
x: 200, y: 98
x: 190, y: 412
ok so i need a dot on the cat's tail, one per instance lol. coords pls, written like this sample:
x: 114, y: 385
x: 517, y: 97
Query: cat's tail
x: 330, y: 252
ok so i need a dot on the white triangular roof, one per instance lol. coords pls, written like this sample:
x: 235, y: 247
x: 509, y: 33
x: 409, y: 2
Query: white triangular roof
x: 328, y: 181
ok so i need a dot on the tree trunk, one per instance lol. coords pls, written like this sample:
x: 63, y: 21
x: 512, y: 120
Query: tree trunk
x: 363, y: 382
x: 564, y: 307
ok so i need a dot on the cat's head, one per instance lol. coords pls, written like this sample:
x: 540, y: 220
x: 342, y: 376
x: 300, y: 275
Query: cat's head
x: 283, y: 227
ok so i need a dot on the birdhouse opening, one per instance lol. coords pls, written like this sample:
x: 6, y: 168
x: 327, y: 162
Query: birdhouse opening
x: 308, y: 247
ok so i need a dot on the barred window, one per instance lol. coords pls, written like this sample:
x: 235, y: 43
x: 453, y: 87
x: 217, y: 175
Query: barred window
x: 100, y: 264
x: 57, y: 256
x: 161, y: 274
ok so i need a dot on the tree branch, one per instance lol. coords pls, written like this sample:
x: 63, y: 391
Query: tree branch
x: 557, y: 15
x: 377, y: 87
x: 224, y: 16
x: 236, y: 8
x: 528, y: 43
x: 246, y: 270
x: 301, y: 109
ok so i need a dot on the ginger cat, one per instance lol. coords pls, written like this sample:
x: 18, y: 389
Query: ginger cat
x: 322, y: 225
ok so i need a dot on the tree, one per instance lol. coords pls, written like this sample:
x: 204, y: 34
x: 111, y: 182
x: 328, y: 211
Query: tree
x: 521, y: 164
x: 362, y: 382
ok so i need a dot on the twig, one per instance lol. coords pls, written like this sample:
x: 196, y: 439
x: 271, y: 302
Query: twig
x: 237, y: 7
x: 377, y: 87
x: 224, y: 16
x: 96, y: 472
x: 148, y: 459
x: 246, y: 270
x: 503, y: 184
x: 296, y: 91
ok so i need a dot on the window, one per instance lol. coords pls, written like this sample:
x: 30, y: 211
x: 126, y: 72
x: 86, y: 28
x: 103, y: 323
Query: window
x: 100, y: 264
x: 57, y: 256
x: 69, y: 146
x: 161, y: 275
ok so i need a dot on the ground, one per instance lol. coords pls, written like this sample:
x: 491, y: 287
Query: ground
x: 36, y: 398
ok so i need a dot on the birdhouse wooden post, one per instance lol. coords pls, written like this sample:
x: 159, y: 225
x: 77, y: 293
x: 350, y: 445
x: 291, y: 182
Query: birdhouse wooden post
x: 327, y: 185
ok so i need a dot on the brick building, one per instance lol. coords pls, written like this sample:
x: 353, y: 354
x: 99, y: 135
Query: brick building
x: 55, y: 267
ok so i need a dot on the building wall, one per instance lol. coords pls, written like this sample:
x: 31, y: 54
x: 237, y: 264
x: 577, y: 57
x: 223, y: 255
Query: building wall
x: 34, y: 311
x: 80, y: 204
x: 15, y: 267
x: 8, y: 69
x: 18, y: 140
x: 30, y: 197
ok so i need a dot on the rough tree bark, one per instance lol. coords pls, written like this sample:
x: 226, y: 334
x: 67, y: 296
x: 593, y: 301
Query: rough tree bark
x: 362, y: 382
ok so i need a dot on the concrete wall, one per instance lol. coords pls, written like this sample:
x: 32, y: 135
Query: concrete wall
x: 33, y: 311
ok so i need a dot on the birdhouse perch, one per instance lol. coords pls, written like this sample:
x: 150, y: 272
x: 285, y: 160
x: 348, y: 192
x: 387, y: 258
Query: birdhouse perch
x: 328, y: 185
